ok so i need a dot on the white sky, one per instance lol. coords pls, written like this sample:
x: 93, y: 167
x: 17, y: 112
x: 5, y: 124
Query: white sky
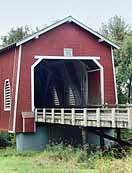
x: 40, y: 12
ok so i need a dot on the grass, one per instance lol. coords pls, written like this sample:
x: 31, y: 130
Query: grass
x: 60, y: 159
x: 52, y: 160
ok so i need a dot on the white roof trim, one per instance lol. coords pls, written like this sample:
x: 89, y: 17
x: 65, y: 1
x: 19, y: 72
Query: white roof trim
x: 68, y: 19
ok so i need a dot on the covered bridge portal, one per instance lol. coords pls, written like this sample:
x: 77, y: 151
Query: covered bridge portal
x: 67, y: 83
x: 70, y: 92
x: 71, y: 80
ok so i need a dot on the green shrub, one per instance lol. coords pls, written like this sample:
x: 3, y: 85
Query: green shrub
x: 6, y: 139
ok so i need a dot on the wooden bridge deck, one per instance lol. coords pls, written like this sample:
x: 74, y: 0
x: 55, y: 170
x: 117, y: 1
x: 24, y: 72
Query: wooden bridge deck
x: 86, y: 117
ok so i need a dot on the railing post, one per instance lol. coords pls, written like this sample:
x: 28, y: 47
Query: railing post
x: 36, y: 116
x: 44, y: 115
x: 85, y: 116
x: 52, y: 115
x: 130, y: 118
x: 73, y: 116
x: 113, y: 118
x: 62, y: 115
x: 98, y: 117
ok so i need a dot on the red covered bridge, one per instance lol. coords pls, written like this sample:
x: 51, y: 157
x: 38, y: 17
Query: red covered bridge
x: 59, y: 75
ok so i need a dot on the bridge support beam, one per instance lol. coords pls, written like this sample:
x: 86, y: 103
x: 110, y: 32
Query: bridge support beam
x: 84, y: 137
x: 108, y: 137
x: 102, y: 142
x: 118, y: 131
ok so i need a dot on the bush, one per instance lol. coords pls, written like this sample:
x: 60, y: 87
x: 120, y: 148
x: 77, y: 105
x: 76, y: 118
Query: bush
x: 6, y: 139
x: 60, y: 152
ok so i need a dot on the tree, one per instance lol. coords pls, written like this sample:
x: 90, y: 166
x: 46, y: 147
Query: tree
x: 115, y: 29
x: 124, y: 75
x: 15, y: 35
x: 120, y: 32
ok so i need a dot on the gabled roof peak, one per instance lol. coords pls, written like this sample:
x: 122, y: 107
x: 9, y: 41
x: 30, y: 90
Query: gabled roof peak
x: 56, y: 24
x: 60, y: 22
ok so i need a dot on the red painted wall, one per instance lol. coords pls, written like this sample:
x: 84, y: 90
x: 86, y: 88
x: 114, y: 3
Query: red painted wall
x: 6, y: 72
x: 94, y: 94
x: 29, y: 125
x: 51, y: 43
x: 13, y: 88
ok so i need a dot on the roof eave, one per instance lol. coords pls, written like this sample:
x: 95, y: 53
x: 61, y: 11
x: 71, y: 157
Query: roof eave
x: 67, y: 19
x: 7, y: 47
x: 44, y: 30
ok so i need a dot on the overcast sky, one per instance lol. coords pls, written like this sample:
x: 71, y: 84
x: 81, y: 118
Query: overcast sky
x: 40, y: 12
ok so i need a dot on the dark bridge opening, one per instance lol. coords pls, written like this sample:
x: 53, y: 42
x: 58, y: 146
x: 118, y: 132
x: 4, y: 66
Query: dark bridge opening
x: 66, y: 83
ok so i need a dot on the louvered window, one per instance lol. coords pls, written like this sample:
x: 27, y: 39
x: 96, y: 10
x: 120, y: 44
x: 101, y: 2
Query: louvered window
x: 55, y: 97
x: 7, y: 95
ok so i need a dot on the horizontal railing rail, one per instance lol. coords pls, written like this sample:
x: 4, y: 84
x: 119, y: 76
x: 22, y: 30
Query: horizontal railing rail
x: 92, y: 117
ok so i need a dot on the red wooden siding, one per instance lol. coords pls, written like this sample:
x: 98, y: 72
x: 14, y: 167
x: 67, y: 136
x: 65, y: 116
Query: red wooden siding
x: 94, y: 93
x: 29, y: 125
x: 6, y: 72
x: 13, y: 89
x: 52, y: 43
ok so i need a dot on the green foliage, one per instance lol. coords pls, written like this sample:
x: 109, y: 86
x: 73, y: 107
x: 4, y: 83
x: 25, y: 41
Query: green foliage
x: 15, y: 35
x: 120, y: 32
x: 126, y: 134
x: 61, y: 159
x: 124, y: 70
x: 5, y: 139
x: 60, y: 152
x: 116, y: 28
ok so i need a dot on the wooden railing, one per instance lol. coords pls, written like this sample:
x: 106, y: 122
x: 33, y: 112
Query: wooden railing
x: 92, y: 117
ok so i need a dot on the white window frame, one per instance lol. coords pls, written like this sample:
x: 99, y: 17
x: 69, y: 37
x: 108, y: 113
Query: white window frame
x: 68, y: 52
x: 7, y: 108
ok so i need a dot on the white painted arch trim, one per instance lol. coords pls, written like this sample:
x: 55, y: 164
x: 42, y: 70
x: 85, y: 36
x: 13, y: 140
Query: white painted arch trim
x: 40, y: 58
x: 101, y: 80
x: 115, y: 84
x: 68, y: 57
x: 32, y: 82
x: 17, y: 87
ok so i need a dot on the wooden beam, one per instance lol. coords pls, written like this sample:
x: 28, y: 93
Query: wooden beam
x: 122, y: 143
x: 84, y: 137
x: 62, y: 115
x: 113, y: 118
x: 73, y: 116
x: 44, y: 115
x: 118, y: 131
x: 52, y: 115
x: 98, y: 117
x: 27, y: 115
x: 36, y: 114
x: 102, y: 138
x: 130, y: 118
x: 85, y: 117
